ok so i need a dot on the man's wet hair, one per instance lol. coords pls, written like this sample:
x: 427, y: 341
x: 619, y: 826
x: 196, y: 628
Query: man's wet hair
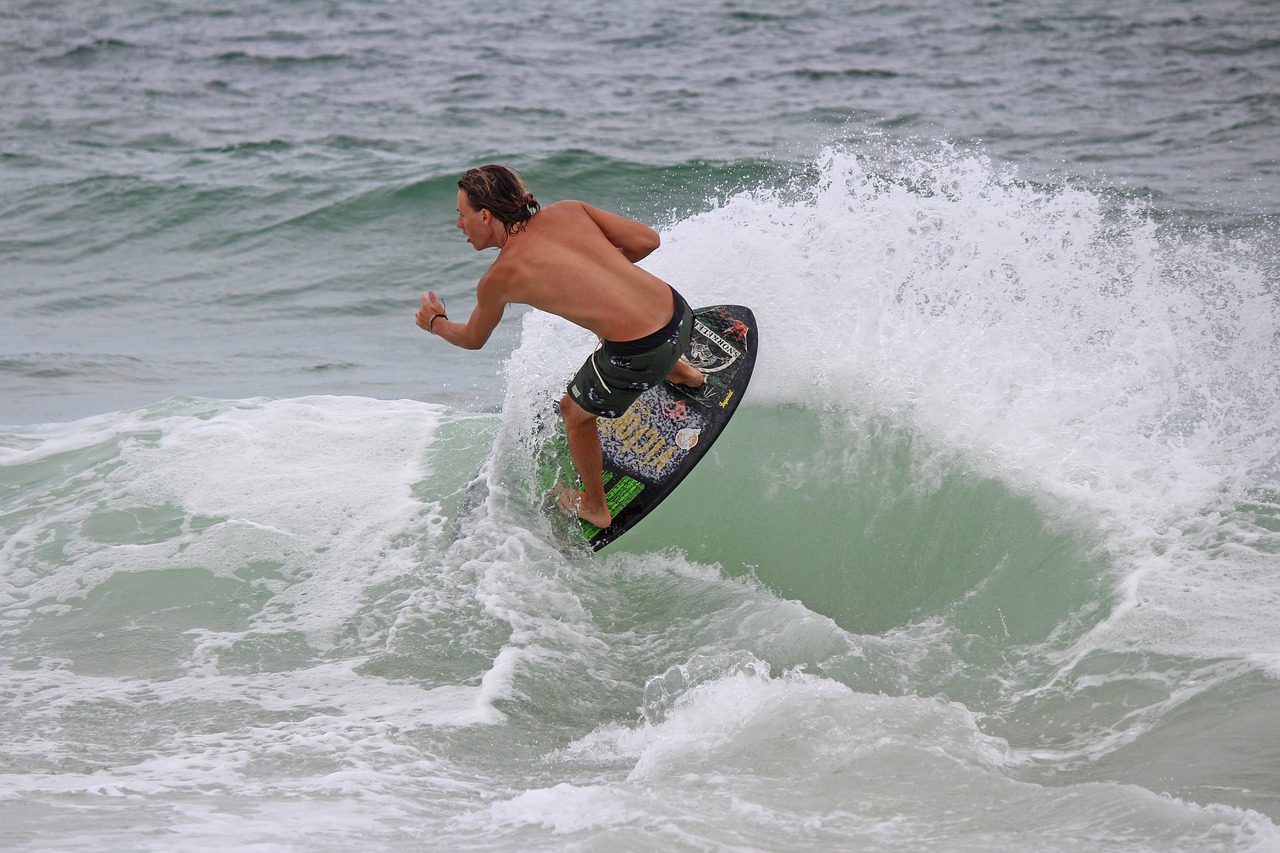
x: 502, y: 192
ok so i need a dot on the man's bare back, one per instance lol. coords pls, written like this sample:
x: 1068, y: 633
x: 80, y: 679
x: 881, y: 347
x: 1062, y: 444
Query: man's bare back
x: 572, y: 260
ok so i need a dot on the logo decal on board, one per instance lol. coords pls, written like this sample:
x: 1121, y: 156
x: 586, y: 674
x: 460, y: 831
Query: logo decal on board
x: 674, y: 409
x: 709, y: 352
x: 687, y: 438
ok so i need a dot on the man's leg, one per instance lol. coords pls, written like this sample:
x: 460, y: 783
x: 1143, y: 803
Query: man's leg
x: 584, y: 446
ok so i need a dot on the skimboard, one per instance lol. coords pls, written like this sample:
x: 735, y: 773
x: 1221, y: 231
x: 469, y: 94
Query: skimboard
x: 665, y: 433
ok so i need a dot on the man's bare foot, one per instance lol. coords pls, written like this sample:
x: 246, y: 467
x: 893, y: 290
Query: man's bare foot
x: 686, y: 374
x: 572, y: 502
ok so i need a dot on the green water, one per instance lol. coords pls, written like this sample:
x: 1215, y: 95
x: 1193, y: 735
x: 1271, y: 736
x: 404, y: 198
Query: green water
x: 877, y: 532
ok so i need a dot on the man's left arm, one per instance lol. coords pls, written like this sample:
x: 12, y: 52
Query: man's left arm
x: 634, y: 239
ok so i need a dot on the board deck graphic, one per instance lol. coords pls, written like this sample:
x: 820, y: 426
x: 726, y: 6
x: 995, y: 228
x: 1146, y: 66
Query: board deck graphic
x: 650, y: 449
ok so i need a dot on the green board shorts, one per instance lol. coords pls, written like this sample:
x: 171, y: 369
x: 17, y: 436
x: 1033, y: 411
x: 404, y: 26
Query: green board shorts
x: 617, y: 373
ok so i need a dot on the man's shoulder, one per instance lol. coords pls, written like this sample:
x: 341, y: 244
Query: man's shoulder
x: 557, y: 221
x: 566, y: 207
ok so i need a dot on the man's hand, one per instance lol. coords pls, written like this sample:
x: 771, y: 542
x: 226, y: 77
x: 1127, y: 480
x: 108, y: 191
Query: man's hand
x: 477, y: 328
x: 432, y: 307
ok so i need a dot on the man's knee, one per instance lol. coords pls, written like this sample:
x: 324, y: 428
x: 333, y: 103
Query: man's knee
x: 573, y: 414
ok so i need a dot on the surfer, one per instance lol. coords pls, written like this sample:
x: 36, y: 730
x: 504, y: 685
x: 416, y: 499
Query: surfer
x: 578, y: 262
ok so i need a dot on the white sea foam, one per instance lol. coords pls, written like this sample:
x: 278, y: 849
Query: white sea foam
x: 1075, y: 349
x: 318, y: 488
x: 801, y: 761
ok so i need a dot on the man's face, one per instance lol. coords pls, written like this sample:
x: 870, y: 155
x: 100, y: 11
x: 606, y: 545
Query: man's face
x: 473, y: 223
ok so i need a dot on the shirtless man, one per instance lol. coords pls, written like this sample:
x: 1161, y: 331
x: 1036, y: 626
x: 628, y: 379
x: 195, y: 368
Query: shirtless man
x: 579, y: 262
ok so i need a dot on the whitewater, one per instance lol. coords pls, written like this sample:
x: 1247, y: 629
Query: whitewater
x: 988, y: 560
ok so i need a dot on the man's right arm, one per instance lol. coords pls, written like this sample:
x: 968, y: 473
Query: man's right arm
x: 472, y: 334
